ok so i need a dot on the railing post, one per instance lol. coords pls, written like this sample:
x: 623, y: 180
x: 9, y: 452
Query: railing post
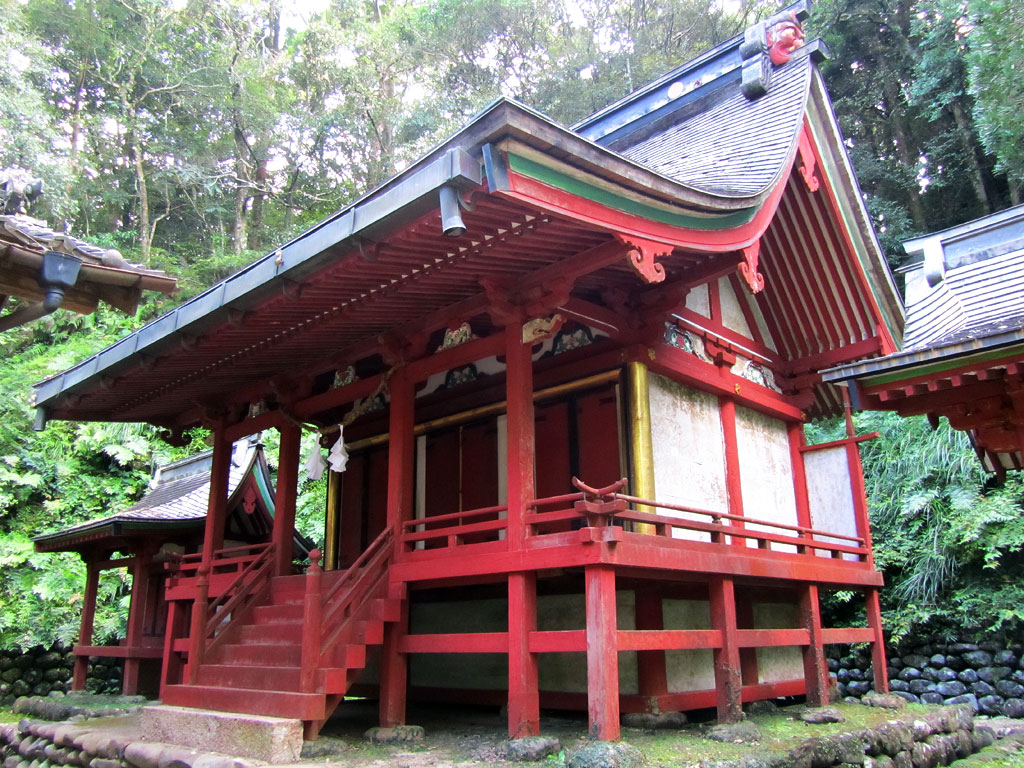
x: 311, y: 624
x: 197, y: 636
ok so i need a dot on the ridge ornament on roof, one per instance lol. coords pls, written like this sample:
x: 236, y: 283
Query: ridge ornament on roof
x: 766, y: 45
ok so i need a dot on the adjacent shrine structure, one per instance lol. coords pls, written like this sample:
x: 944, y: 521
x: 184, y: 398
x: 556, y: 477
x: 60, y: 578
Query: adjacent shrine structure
x: 573, y: 367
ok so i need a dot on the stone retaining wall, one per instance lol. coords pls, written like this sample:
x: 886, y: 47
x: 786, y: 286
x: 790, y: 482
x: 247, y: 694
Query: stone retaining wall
x: 37, y: 671
x: 987, y: 676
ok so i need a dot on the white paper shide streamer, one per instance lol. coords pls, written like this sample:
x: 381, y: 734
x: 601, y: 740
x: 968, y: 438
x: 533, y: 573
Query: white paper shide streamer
x: 315, y: 464
x: 338, y: 457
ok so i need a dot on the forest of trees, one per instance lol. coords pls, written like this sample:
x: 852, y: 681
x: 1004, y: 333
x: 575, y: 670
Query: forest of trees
x: 195, y: 135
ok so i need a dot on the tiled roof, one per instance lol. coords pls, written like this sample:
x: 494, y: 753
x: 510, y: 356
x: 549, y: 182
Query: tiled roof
x: 105, y: 275
x: 737, y: 146
x: 974, y: 300
x: 180, y: 500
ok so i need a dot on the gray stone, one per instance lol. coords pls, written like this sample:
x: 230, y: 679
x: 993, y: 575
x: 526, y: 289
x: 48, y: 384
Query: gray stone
x: 977, y: 659
x: 982, y: 736
x: 858, y: 687
x: 921, y: 686
x: 981, y: 688
x: 992, y: 646
x: 968, y: 676
x: 1013, y: 708
x: 884, y: 701
x: 102, y: 762
x: 397, y: 734
x: 945, y: 675
x: 899, y: 685
x: 1005, y: 658
x: 968, y: 699
x: 930, y: 673
x: 324, y: 746
x: 144, y: 754
x: 992, y: 675
x: 736, y: 733
x: 654, y: 721
x: 915, y: 660
x: 931, y: 697
x: 177, y: 757
x: 605, y: 754
x: 532, y: 748
x: 990, y: 705
x: 910, y: 673
x: 923, y: 755
x: 951, y: 688
x: 818, y: 715
x: 1009, y: 689
x: 908, y: 696
x: 961, y: 648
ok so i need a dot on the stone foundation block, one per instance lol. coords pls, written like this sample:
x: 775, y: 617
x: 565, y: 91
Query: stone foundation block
x: 271, y: 739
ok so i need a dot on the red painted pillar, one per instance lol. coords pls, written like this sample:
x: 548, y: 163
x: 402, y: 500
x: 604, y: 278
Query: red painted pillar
x: 136, y: 618
x: 216, y: 510
x: 401, y: 446
x: 283, y: 535
x: 602, y: 653
x: 750, y: 673
x: 815, y: 667
x: 860, y: 500
x: 652, y: 676
x: 523, y: 686
x: 92, y: 580
x: 734, y: 488
x: 878, y: 662
x: 728, y: 681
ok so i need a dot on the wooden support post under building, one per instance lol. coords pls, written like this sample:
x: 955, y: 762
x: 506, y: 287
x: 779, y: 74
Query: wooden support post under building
x: 284, y: 498
x: 137, y: 612
x: 874, y: 612
x: 602, y: 653
x: 523, y: 685
x: 815, y: 666
x: 728, y: 680
x: 652, y: 676
x: 216, y: 510
x: 733, y: 486
x: 92, y: 581
x: 394, y: 668
x: 750, y: 673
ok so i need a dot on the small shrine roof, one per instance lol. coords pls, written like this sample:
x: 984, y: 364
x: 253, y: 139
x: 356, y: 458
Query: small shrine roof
x: 178, y: 499
x: 105, y: 275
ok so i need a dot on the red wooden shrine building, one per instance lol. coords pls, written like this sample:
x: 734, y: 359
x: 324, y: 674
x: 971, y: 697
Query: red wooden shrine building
x: 157, y: 540
x: 649, y: 296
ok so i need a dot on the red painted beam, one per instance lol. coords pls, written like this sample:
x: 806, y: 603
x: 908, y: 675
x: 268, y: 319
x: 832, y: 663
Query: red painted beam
x: 846, y: 635
x: 771, y: 638
x: 668, y: 639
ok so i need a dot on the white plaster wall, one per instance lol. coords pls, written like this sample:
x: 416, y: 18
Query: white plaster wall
x: 697, y: 300
x: 766, y: 472
x: 688, y: 670
x: 689, y: 453
x: 777, y: 664
x: 830, y: 494
x: 732, y: 313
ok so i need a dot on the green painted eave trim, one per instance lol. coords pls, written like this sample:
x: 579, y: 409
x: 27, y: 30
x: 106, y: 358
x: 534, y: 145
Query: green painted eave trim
x: 958, y: 360
x: 574, y: 186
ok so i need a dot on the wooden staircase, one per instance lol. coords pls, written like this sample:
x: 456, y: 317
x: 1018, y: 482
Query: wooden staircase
x: 256, y: 666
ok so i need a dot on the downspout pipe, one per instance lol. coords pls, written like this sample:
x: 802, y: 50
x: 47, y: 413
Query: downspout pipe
x: 58, y: 273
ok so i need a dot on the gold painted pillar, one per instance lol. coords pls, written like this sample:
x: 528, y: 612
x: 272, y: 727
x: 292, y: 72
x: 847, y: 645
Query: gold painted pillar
x: 331, y: 521
x: 641, y: 445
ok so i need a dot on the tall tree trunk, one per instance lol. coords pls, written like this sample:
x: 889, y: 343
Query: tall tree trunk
x: 963, y: 124
x: 907, y: 155
x: 258, y: 196
x: 145, y: 233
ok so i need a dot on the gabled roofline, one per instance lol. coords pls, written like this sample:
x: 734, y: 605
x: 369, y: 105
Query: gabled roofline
x: 409, y: 194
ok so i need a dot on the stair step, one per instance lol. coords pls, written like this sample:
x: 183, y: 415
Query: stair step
x: 336, y: 679
x: 260, y: 655
x: 238, y: 676
x: 351, y: 656
x: 277, y: 613
x: 303, y: 706
x: 285, y: 589
x: 278, y: 633
x: 387, y: 609
x: 369, y: 632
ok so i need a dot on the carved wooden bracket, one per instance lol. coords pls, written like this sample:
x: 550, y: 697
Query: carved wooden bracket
x: 808, y: 162
x: 395, y: 349
x: 748, y: 267
x: 642, y: 257
x: 541, y: 300
x: 501, y: 307
x: 540, y: 328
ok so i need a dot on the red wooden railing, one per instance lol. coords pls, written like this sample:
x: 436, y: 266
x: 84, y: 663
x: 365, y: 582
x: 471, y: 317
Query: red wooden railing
x: 326, y: 616
x: 453, y: 530
x: 239, y: 576
x: 720, y: 525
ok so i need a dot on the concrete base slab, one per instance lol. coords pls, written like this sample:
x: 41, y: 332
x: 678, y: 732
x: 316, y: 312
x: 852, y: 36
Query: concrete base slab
x: 271, y: 739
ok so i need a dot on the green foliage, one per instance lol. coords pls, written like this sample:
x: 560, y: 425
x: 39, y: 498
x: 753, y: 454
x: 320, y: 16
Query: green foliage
x: 945, y: 533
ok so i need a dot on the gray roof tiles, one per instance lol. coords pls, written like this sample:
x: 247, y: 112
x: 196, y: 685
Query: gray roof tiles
x: 738, y: 146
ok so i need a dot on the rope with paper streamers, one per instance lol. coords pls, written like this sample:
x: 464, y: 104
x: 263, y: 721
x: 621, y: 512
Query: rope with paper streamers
x: 337, y: 457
